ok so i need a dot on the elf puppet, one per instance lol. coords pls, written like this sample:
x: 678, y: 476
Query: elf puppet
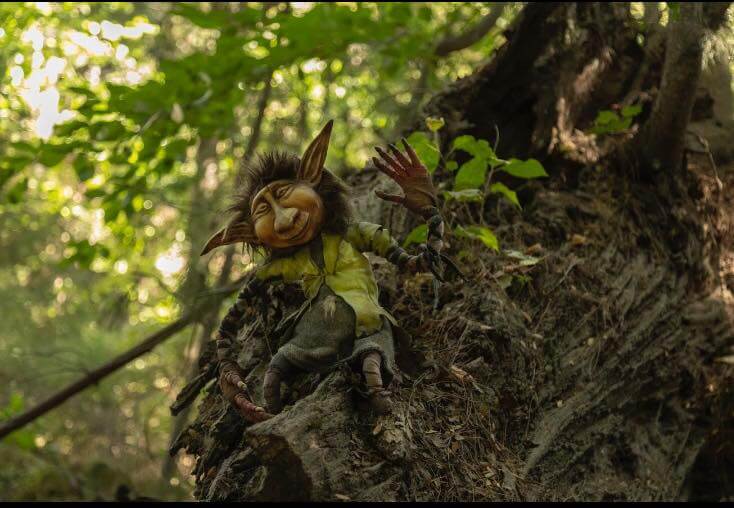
x: 296, y: 211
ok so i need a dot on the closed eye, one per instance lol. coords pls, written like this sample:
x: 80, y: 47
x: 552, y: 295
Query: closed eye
x: 261, y: 209
x: 282, y: 191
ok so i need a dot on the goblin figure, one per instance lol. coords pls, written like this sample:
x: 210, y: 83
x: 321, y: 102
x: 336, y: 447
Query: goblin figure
x: 296, y: 212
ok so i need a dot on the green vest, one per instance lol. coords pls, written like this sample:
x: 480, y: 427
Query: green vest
x: 346, y: 271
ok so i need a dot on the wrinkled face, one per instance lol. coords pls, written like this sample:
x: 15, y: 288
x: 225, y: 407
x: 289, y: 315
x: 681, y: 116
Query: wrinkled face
x: 287, y: 213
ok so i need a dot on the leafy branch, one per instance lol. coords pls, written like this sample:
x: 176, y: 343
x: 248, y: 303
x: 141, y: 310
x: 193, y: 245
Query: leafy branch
x: 473, y: 180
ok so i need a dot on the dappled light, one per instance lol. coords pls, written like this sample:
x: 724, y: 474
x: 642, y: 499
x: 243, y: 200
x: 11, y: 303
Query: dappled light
x: 560, y: 266
x: 105, y: 109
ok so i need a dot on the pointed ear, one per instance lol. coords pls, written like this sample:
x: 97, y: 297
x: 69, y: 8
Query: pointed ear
x: 240, y: 232
x: 312, y: 162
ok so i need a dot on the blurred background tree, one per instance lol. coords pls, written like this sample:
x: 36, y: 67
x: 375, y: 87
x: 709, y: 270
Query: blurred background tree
x: 123, y: 126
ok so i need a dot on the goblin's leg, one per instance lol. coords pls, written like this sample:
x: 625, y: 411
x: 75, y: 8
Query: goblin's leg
x: 279, y: 370
x: 371, y: 369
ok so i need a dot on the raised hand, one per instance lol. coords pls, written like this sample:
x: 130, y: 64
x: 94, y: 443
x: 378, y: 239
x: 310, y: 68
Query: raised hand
x: 412, y: 177
x: 235, y: 391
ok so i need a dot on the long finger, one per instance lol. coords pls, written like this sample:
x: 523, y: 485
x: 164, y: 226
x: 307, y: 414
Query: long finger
x: 390, y: 197
x: 402, y: 159
x: 395, y: 165
x: 385, y: 169
x: 250, y: 411
x: 233, y: 377
x: 411, y: 153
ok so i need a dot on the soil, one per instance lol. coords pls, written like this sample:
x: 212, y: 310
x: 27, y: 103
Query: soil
x: 587, y: 371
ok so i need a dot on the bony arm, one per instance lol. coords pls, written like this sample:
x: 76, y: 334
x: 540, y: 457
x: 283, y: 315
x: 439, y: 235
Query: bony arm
x: 419, y: 196
x: 369, y: 237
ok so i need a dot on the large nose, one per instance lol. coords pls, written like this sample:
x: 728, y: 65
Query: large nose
x: 284, y: 219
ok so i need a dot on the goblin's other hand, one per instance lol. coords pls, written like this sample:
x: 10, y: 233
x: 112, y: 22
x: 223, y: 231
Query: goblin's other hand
x: 235, y: 391
x: 412, y: 177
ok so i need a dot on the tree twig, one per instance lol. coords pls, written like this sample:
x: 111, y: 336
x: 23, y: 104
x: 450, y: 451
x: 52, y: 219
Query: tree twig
x: 96, y: 375
x: 257, y: 125
x: 474, y: 34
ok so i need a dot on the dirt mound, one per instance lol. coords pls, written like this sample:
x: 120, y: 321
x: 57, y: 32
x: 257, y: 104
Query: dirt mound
x: 578, y: 355
x: 591, y: 359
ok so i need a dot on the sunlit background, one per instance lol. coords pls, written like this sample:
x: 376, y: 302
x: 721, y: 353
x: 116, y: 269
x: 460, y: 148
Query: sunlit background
x: 123, y: 125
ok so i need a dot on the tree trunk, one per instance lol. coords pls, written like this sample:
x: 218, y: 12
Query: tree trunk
x: 589, y: 375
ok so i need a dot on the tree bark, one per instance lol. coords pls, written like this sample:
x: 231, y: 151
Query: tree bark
x: 661, y: 141
x: 445, y: 47
x: 204, y: 335
x: 591, y: 374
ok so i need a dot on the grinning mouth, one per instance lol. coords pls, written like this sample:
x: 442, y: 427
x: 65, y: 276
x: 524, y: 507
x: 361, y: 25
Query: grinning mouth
x: 302, y: 230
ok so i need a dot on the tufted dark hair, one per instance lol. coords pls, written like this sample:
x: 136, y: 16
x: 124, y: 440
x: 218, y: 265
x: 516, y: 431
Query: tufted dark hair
x: 272, y: 166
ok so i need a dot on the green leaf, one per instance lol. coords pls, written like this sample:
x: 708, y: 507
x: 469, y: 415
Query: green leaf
x: 176, y: 149
x: 528, y: 169
x: 505, y: 280
x: 82, y: 252
x: 83, y: 168
x: 15, y: 406
x: 465, y: 142
x: 211, y: 19
x: 23, y: 438
x: 17, y: 163
x: 484, y: 235
x: 452, y: 166
x: 500, y: 188
x: 17, y: 192
x: 51, y: 155
x: 107, y: 130
x: 606, y: 117
x: 631, y: 111
x: 466, y: 195
x: 609, y: 122
x: 524, y: 259
x: 95, y: 193
x: 69, y: 128
x: 24, y: 147
x: 82, y: 91
x: 426, y: 150
x: 471, y: 175
x: 477, y: 148
x: 418, y: 235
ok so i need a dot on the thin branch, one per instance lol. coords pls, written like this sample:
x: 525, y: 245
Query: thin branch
x: 474, y: 34
x: 96, y: 375
x: 257, y: 126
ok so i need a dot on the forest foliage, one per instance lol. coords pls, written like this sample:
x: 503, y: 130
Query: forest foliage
x: 123, y: 128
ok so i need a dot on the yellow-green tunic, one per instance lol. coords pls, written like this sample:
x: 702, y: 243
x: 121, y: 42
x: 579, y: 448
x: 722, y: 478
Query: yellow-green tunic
x: 346, y: 274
